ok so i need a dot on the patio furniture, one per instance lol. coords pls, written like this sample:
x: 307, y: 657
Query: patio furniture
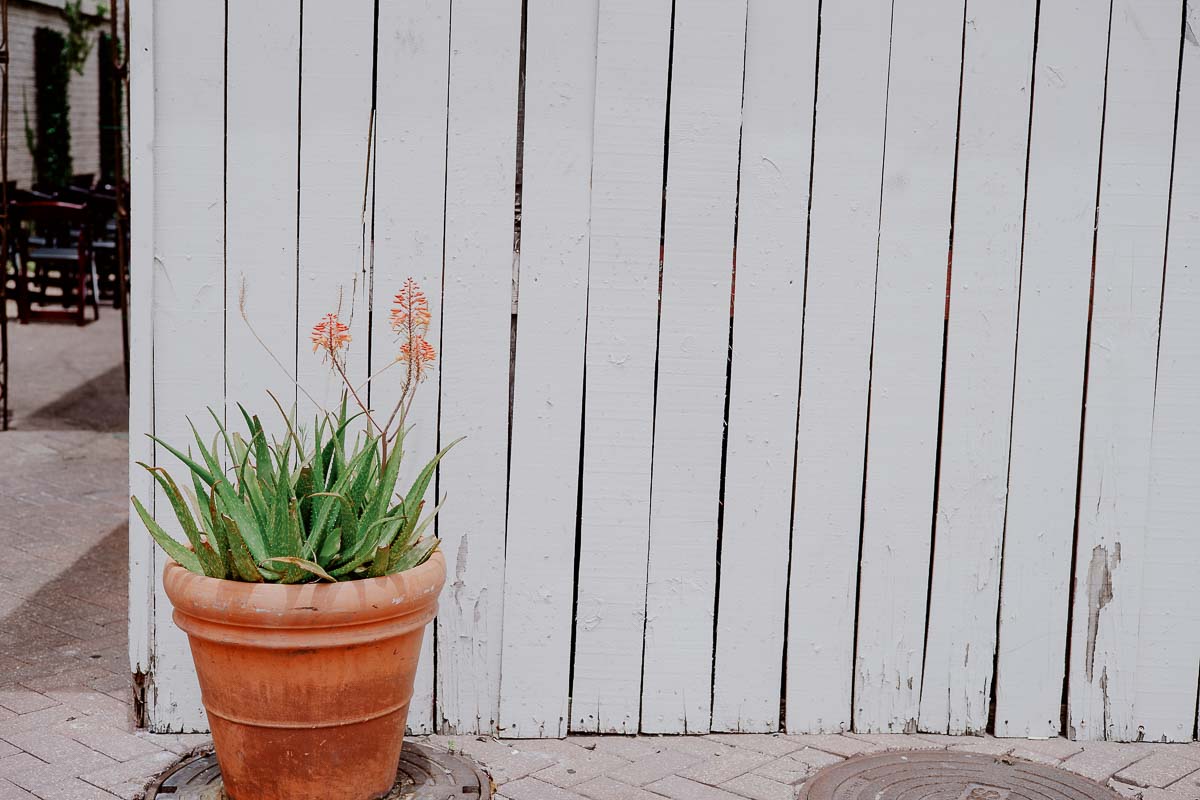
x: 54, y: 262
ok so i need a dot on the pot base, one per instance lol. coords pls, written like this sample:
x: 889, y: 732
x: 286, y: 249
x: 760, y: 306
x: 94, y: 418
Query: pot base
x: 424, y: 774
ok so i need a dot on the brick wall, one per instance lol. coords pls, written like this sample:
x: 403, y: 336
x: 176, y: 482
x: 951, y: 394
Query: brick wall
x: 23, y: 18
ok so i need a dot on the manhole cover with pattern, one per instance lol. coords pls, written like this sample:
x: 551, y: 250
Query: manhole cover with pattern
x: 423, y: 774
x: 943, y: 775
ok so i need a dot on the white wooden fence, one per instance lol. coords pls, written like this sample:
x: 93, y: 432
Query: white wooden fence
x: 893, y: 495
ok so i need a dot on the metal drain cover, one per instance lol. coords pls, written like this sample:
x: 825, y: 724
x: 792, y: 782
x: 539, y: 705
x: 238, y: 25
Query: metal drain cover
x: 424, y: 774
x: 944, y: 775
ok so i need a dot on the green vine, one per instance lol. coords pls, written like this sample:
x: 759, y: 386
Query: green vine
x: 56, y: 57
x: 79, y: 41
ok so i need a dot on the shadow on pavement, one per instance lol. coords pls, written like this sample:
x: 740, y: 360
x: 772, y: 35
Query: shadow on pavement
x: 98, y: 405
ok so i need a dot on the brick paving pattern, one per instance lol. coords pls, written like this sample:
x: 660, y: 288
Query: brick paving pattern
x: 66, y: 726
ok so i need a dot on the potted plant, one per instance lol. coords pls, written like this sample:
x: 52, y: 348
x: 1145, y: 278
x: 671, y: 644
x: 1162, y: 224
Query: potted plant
x: 306, y: 583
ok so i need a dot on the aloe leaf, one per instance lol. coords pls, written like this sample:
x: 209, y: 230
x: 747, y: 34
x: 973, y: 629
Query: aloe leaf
x: 222, y: 434
x: 240, y: 450
x: 318, y: 457
x: 186, y: 558
x: 247, y: 419
x: 294, y: 533
x: 308, y: 566
x: 417, y: 492
x: 384, y: 492
x: 316, y: 536
x: 230, y: 504
x: 330, y: 546
x: 425, y: 523
x: 303, y: 490
x: 259, y: 503
x: 360, y: 555
x: 404, y: 542
x: 196, y: 469
x: 262, y: 453
x: 243, y: 561
x: 415, y: 556
x: 405, y: 533
x: 210, y: 457
x: 213, y: 564
x: 216, y: 526
x: 379, y: 565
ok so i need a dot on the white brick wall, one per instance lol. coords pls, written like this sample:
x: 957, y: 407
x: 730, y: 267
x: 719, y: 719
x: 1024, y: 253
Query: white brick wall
x: 23, y: 18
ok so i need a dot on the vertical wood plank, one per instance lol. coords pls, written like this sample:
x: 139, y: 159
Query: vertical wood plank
x: 188, y: 289
x: 485, y: 41
x: 705, y: 122
x: 632, y: 59
x: 1064, y: 151
x: 260, y: 216
x: 543, y: 492
x: 777, y: 118
x: 547, y: 392
x: 1139, y: 126
x: 142, y: 558
x: 981, y: 340
x: 1169, y: 641
x: 335, y: 120
x: 408, y: 224
x: 847, y: 160
x: 910, y: 298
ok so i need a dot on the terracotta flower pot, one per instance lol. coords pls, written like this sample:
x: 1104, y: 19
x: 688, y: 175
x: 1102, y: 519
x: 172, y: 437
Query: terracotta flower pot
x: 307, y: 687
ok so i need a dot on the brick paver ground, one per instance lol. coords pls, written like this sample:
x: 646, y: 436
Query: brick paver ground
x: 66, y: 727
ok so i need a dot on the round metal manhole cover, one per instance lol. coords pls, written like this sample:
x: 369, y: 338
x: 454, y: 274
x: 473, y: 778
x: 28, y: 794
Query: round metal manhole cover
x: 424, y: 774
x: 943, y: 775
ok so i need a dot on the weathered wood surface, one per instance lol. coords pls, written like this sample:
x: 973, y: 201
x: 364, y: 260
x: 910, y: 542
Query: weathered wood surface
x: 906, y: 363
x: 1064, y: 156
x: 1114, y: 482
x: 708, y: 55
x: 723, y: 387
x: 835, y: 371
x: 981, y: 333
x: 781, y: 40
x: 632, y: 60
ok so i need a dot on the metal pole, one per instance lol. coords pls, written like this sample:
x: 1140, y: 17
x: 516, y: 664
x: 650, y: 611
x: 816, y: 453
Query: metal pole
x: 120, y: 64
x: 4, y: 214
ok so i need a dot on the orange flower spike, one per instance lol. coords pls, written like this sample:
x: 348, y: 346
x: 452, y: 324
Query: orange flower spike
x: 410, y: 310
x: 330, y: 335
x: 419, y: 353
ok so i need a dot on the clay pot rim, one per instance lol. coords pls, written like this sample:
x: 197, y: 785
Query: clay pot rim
x: 307, y: 605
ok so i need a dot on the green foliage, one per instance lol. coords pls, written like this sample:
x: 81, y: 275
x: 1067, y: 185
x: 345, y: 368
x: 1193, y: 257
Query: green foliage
x: 313, y: 507
x: 78, y: 43
x: 56, y: 57
x: 51, y: 145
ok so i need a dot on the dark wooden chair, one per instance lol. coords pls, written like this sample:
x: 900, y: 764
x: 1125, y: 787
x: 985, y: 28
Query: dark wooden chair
x: 54, y: 260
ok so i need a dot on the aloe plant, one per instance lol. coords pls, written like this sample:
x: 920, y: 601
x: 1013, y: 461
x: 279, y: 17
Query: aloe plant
x: 314, y: 505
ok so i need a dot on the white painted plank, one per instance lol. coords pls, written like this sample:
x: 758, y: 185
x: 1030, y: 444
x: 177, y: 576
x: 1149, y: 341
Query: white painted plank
x: 847, y: 161
x: 142, y: 559
x: 1169, y: 644
x: 260, y: 213
x: 410, y: 183
x: 705, y: 120
x: 543, y: 492
x: 910, y: 298
x: 1060, y: 211
x: 1139, y: 125
x: 981, y: 343
x: 485, y: 41
x: 633, y: 46
x: 337, y: 40
x: 777, y: 120
x: 188, y: 289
